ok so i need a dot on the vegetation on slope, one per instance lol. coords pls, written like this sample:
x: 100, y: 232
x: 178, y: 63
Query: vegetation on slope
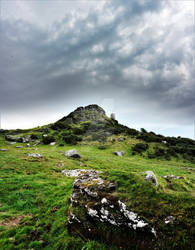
x: 35, y: 196
x: 36, y: 190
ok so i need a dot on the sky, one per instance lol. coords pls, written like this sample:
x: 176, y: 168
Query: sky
x: 133, y: 58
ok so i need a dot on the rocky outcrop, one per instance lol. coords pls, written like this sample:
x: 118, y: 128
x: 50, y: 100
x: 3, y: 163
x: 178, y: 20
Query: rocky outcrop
x: 89, y: 113
x: 18, y: 138
x: 96, y: 213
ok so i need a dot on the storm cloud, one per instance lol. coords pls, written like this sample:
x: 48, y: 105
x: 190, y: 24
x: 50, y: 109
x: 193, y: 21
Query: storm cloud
x: 139, y: 54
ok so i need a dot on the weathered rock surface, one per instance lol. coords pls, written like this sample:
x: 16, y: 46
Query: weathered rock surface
x: 91, y: 112
x: 97, y: 214
x: 119, y: 153
x: 150, y: 176
x: 35, y: 155
x: 72, y: 153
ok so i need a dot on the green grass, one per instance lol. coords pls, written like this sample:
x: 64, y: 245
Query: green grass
x: 32, y: 187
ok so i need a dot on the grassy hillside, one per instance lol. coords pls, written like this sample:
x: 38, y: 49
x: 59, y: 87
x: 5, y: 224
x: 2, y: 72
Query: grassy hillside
x: 35, y: 196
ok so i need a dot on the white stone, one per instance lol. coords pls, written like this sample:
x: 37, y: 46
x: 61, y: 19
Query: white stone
x: 104, y: 200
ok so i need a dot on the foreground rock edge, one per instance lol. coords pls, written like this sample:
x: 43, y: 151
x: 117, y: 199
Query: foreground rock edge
x: 94, y: 195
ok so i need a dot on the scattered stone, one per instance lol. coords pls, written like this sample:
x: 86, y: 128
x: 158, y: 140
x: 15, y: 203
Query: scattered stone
x: 35, y: 148
x: 170, y: 220
x: 72, y: 153
x: 35, y: 155
x: 19, y: 146
x: 94, y: 195
x: 3, y: 149
x: 11, y: 143
x: 168, y: 177
x: 119, y: 153
x: 52, y: 143
x: 121, y: 138
x: 26, y: 139
x: 45, y: 135
x: 150, y: 176
x: 37, y: 142
x: 28, y: 145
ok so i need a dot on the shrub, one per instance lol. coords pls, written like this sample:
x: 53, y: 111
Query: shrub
x: 48, y: 139
x: 72, y: 139
x: 140, y: 147
x: 34, y: 137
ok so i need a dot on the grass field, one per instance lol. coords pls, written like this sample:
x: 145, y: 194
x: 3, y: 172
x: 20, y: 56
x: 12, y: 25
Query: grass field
x: 35, y: 196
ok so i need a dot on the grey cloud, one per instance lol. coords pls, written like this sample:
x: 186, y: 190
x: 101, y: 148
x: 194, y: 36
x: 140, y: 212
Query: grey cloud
x: 40, y: 65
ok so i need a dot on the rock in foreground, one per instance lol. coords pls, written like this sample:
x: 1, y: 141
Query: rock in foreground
x: 97, y: 214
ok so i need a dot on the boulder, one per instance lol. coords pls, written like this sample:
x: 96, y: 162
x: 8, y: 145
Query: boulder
x: 119, y: 153
x: 35, y: 155
x: 52, y: 143
x: 11, y: 143
x: 150, y: 176
x: 72, y: 153
x: 94, y: 207
x: 3, y: 149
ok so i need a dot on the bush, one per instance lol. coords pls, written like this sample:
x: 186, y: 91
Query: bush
x: 59, y: 126
x: 72, y: 139
x: 48, y: 139
x: 140, y: 147
x: 34, y: 137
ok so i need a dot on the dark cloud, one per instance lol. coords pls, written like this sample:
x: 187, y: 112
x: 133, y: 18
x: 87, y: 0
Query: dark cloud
x: 127, y: 51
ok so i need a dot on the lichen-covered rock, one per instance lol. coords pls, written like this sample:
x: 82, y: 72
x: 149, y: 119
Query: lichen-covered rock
x: 72, y: 153
x: 119, y: 153
x: 150, y: 176
x: 97, y: 214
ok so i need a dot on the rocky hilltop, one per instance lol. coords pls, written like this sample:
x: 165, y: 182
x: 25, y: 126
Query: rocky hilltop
x: 89, y: 113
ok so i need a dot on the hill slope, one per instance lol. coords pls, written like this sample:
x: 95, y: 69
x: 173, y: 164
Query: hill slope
x: 35, y: 196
